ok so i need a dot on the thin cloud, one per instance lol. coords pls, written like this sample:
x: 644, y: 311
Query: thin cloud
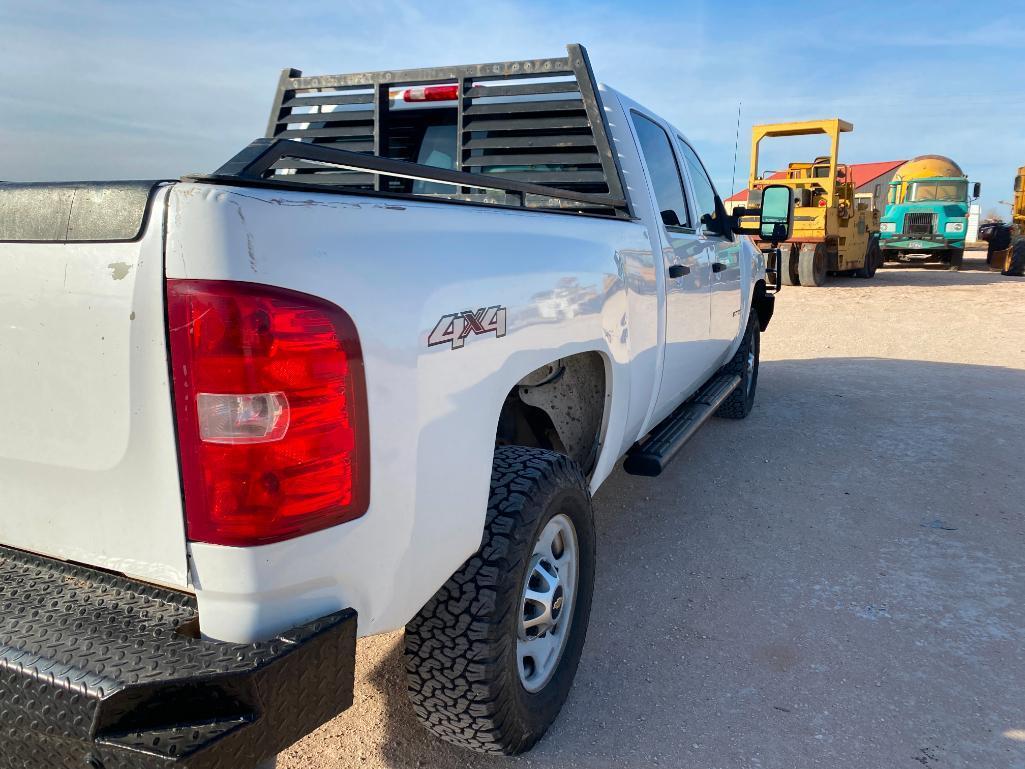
x: 108, y: 90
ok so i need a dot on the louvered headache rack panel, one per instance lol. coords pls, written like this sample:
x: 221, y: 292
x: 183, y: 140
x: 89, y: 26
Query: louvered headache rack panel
x: 547, y: 143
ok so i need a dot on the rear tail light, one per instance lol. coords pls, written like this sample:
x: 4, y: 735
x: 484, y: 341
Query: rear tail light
x: 270, y: 402
x: 431, y: 93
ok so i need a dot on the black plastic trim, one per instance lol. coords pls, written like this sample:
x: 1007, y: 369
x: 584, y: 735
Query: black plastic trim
x: 765, y: 304
x: 262, y: 155
x: 463, y: 200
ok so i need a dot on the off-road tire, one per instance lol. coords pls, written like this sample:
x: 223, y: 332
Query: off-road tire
x: 813, y: 264
x: 740, y: 402
x: 790, y: 276
x: 956, y: 259
x: 460, y: 650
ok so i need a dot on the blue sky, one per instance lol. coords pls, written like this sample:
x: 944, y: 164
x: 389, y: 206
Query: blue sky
x: 97, y: 90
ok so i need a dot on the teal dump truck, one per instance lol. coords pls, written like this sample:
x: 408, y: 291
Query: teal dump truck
x: 926, y: 214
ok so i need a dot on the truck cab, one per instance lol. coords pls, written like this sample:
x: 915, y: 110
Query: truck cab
x: 926, y: 216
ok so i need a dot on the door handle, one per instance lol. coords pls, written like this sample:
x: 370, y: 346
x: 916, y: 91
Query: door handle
x: 718, y: 266
x: 678, y: 270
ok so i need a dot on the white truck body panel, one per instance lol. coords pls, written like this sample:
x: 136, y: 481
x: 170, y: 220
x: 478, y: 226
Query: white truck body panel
x: 560, y: 278
x: 88, y: 461
x: 91, y: 456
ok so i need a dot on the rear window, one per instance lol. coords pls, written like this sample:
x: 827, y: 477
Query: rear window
x: 438, y: 150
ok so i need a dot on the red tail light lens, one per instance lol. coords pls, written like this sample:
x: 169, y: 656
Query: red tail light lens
x: 270, y: 400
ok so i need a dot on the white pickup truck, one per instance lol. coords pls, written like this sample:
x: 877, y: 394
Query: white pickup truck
x: 366, y: 376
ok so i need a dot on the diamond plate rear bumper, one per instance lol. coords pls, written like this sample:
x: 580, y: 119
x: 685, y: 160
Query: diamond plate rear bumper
x: 99, y: 671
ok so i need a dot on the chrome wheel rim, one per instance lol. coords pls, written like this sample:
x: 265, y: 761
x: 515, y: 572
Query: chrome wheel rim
x: 546, y: 606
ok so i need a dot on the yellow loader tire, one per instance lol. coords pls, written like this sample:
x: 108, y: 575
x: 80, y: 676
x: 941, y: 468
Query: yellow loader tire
x: 790, y: 276
x: 873, y: 258
x: 812, y: 264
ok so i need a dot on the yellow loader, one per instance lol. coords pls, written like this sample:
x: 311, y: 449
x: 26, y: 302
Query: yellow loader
x: 834, y: 233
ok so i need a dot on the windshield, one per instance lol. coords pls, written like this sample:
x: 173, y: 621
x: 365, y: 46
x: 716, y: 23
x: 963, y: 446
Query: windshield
x: 948, y: 191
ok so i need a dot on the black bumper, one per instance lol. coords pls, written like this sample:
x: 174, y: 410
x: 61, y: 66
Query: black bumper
x: 100, y: 671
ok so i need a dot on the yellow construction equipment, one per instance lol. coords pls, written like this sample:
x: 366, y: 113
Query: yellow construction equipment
x: 1015, y: 262
x: 834, y: 233
x: 1018, y: 210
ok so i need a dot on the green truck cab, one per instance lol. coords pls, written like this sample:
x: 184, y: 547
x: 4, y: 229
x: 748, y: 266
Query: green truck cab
x: 926, y: 217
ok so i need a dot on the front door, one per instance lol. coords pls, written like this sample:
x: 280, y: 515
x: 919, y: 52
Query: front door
x: 687, y: 357
x: 726, y: 305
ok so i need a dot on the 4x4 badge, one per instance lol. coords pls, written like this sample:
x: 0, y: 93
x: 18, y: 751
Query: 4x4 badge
x: 453, y: 329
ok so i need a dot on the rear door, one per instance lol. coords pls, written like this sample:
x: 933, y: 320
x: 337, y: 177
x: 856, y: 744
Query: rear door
x: 723, y: 252
x: 685, y: 261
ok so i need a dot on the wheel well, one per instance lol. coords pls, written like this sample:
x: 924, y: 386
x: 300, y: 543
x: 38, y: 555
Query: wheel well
x: 560, y: 406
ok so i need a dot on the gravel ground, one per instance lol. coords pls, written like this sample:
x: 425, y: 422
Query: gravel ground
x: 835, y: 581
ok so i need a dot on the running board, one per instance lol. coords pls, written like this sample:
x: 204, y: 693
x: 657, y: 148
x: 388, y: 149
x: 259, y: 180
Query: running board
x: 651, y: 455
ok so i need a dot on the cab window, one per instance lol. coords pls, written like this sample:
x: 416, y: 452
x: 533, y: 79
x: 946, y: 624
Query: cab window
x: 438, y: 149
x: 704, y: 192
x: 666, y: 181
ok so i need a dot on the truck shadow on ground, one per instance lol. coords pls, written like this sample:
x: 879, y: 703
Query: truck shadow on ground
x: 836, y: 575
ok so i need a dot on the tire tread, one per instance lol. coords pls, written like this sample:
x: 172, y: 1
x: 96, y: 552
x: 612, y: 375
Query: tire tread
x: 737, y: 405
x: 456, y: 647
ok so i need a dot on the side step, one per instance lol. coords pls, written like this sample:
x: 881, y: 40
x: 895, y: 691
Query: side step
x: 651, y: 455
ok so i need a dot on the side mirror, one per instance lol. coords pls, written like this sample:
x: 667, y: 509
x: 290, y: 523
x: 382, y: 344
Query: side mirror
x: 669, y: 218
x: 977, y: 189
x: 777, y: 217
x: 718, y: 223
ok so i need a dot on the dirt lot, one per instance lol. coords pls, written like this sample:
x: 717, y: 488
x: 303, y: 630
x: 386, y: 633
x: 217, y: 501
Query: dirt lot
x: 836, y: 581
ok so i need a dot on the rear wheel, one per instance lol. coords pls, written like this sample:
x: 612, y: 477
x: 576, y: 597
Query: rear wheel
x: 873, y: 260
x: 744, y: 363
x: 490, y: 659
x: 812, y: 264
x: 790, y: 275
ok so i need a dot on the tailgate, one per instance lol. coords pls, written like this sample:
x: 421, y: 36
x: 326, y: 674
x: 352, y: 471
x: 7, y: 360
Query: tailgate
x: 88, y: 461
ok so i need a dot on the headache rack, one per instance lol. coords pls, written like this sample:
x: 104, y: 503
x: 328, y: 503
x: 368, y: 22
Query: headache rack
x: 527, y: 133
